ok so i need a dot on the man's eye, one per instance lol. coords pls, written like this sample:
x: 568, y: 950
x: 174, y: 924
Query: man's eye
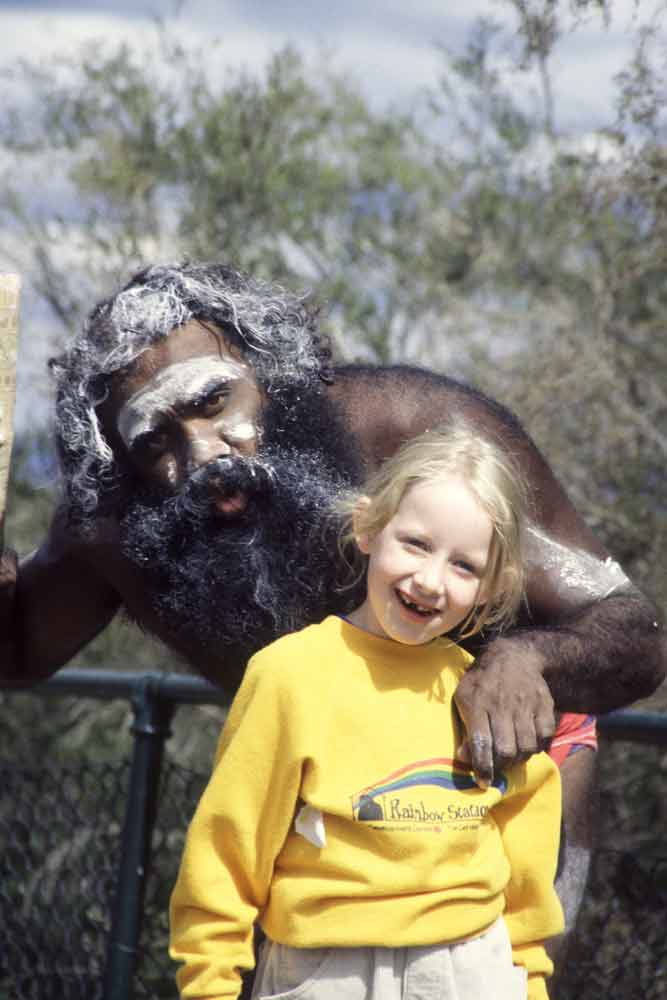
x: 213, y: 403
x: 151, y: 446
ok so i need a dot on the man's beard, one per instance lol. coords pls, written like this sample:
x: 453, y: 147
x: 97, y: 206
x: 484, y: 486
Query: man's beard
x: 226, y: 584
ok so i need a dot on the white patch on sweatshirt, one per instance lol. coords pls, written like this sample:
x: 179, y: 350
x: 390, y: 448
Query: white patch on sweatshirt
x: 309, y: 823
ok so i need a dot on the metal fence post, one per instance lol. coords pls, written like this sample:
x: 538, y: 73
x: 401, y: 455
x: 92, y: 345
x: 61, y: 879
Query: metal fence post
x: 152, y: 717
x: 619, y: 906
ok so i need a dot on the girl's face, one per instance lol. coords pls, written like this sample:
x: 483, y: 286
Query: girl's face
x: 426, y: 564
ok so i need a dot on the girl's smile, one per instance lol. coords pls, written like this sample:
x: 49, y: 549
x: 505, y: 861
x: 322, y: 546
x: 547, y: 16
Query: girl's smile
x: 427, y: 563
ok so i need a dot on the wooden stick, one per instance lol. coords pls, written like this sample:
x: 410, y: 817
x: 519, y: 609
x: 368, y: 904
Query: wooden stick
x: 10, y: 289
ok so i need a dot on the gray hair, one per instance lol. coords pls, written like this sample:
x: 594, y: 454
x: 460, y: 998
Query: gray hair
x: 273, y: 329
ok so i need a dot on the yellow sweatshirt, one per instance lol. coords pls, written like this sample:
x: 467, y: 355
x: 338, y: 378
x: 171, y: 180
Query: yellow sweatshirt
x: 398, y: 845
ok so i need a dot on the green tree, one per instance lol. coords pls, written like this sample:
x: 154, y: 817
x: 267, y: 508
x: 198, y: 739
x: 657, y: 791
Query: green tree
x: 473, y: 234
x: 290, y: 178
x: 567, y: 276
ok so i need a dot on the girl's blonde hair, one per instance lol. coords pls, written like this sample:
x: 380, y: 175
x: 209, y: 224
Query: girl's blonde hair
x: 491, y: 475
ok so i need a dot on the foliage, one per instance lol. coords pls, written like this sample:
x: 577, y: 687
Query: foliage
x: 284, y: 176
x: 572, y: 265
x: 471, y: 233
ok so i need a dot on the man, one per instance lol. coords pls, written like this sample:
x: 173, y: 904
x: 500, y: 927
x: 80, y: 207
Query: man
x: 203, y: 431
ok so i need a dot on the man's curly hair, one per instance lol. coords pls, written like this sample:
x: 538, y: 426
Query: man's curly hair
x: 275, y: 331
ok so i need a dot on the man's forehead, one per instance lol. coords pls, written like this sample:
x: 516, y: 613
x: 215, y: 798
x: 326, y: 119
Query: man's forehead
x: 174, y: 385
x: 194, y: 339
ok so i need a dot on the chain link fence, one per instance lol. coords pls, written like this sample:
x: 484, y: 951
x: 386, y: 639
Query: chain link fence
x: 60, y: 835
x: 92, y: 827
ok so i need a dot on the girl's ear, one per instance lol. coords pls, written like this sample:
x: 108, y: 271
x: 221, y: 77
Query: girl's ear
x: 361, y: 535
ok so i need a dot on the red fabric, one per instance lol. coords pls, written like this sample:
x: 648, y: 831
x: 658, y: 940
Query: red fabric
x: 572, y: 733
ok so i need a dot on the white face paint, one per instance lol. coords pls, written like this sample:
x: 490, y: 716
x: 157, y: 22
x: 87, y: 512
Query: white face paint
x: 240, y: 431
x: 574, y: 571
x: 177, y: 386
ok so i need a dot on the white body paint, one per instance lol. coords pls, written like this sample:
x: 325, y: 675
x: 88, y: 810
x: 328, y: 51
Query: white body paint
x: 176, y: 386
x: 574, y: 570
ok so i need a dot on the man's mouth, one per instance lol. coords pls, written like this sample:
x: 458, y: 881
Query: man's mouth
x: 418, y: 609
x: 225, y: 486
x: 230, y: 505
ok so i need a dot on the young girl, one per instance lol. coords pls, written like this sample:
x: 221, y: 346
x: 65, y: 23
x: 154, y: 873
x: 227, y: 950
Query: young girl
x: 337, y: 813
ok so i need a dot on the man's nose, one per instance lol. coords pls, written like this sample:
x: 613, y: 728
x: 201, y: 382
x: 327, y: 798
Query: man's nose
x: 203, y: 444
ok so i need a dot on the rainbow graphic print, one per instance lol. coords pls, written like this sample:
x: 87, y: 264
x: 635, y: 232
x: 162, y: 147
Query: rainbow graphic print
x: 443, y: 772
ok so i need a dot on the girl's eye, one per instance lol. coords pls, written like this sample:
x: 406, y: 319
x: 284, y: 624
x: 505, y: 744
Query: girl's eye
x: 466, y: 567
x: 415, y: 543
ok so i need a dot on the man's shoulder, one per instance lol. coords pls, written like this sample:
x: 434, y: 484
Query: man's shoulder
x: 410, y: 398
x: 87, y: 541
x: 353, y: 376
x: 67, y: 551
x: 89, y: 560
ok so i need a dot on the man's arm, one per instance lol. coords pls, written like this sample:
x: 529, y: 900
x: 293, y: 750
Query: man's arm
x: 51, y: 605
x: 578, y: 798
x: 587, y: 630
x: 589, y: 640
x: 604, y: 655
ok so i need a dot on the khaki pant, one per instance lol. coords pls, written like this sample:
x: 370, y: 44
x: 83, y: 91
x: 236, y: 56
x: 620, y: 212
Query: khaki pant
x: 478, y: 969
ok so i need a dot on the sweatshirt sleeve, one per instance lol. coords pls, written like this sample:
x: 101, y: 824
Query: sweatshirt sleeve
x: 528, y: 818
x: 238, y: 829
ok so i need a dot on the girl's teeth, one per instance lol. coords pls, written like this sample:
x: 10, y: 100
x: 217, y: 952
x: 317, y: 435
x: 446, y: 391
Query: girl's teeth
x: 416, y: 607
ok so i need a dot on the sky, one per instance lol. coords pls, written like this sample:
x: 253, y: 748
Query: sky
x: 388, y: 47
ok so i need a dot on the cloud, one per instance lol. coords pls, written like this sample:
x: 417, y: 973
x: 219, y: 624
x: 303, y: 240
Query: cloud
x: 39, y: 34
x: 388, y: 46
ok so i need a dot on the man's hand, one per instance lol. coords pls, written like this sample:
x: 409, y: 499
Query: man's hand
x: 506, y: 707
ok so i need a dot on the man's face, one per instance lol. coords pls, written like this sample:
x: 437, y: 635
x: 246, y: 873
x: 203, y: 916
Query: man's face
x: 229, y: 526
x: 184, y: 402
